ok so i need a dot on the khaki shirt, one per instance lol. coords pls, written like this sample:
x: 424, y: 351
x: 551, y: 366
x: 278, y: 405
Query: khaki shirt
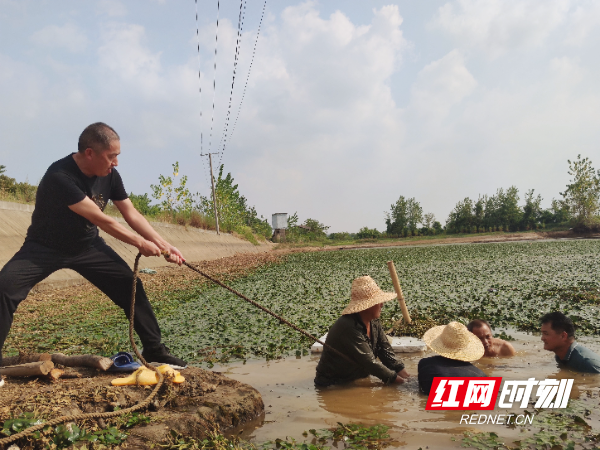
x: 349, y: 335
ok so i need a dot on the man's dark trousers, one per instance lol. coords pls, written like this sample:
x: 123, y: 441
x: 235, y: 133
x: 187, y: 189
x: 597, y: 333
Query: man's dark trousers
x: 100, y: 265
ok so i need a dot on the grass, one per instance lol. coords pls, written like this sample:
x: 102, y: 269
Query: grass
x: 323, y: 243
x: 18, y: 197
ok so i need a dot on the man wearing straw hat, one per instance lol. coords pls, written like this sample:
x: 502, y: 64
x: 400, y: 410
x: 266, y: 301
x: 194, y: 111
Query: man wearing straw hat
x: 456, y: 346
x: 359, y: 336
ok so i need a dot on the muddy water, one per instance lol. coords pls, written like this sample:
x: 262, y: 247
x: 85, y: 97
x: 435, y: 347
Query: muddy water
x: 293, y: 405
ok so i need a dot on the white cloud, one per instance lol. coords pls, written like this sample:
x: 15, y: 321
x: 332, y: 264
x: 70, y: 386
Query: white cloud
x: 320, y: 131
x: 582, y: 22
x: 68, y: 36
x: 568, y: 71
x: 111, y: 8
x: 123, y: 53
x: 498, y: 26
x: 441, y: 85
x: 319, y: 118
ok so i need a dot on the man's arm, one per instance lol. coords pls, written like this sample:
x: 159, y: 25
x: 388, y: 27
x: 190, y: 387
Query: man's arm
x: 88, y: 209
x: 139, y: 223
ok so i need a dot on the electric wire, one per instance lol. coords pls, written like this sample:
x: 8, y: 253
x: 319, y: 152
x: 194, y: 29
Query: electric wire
x: 205, y: 167
x: 212, y: 120
x: 247, y: 78
x: 238, y: 44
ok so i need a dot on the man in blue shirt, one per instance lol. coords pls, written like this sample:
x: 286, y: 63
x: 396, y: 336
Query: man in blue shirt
x: 558, y: 336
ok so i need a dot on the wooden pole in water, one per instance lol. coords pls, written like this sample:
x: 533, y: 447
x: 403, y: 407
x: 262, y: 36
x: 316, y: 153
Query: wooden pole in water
x: 398, y: 290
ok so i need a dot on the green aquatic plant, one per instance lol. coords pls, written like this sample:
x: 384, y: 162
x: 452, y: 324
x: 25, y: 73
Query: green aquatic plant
x: 566, y: 429
x: 66, y: 435
x: 345, y: 436
x: 502, y: 335
x: 508, y: 284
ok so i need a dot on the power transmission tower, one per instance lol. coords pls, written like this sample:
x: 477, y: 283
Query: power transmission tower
x: 212, y: 181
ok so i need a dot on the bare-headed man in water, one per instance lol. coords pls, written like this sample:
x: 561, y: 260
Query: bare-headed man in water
x: 493, y: 346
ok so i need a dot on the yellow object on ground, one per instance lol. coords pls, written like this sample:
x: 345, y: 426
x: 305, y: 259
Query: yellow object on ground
x: 145, y: 377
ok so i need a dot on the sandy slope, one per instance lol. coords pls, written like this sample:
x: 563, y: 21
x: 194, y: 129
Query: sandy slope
x: 195, y: 244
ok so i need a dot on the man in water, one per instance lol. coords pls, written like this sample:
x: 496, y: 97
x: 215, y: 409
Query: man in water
x: 358, y: 335
x: 69, y: 209
x: 492, y: 346
x: 558, y: 336
x: 456, y: 346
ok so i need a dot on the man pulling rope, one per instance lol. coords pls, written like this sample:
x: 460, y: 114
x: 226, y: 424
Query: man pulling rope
x: 69, y: 209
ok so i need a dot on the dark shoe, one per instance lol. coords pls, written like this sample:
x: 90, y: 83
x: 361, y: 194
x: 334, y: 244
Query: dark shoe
x: 161, y: 355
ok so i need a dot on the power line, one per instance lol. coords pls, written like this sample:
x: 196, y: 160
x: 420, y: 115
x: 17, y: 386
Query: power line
x: 247, y: 78
x: 212, y: 121
x: 238, y: 45
x: 200, y: 90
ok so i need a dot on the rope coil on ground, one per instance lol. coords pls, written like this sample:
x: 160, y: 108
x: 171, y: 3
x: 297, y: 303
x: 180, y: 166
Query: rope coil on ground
x: 29, y: 431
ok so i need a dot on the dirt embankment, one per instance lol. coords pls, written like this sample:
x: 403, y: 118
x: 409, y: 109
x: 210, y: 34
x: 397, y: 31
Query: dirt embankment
x: 205, y: 401
x: 195, y: 244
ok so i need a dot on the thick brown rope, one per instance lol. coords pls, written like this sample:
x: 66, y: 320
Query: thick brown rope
x: 278, y: 317
x: 102, y: 415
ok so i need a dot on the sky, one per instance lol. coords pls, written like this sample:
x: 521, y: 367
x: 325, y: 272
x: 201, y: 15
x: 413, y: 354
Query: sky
x: 337, y: 107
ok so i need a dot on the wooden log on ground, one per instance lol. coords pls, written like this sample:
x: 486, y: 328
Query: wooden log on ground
x: 25, y: 358
x: 55, y: 374
x: 33, y: 369
x: 96, y: 362
x: 71, y: 375
x: 93, y: 361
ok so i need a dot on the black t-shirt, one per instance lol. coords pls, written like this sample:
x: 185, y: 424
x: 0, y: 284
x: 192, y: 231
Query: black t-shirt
x: 53, y: 224
x: 438, y: 366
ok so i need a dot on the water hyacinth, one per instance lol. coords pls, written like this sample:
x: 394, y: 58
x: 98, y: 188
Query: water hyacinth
x: 509, y: 284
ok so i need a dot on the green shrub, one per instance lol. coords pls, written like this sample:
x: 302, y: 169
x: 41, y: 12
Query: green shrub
x: 142, y: 204
x: 367, y: 233
x: 246, y: 232
x: 12, y: 190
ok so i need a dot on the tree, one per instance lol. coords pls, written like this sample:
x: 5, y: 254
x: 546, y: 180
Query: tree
x: 560, y: 211
x: 582, y: 194
x: 478, y: 213
x: 461, y: 217
x: 405, y: 214
x: 415, y: 215
x: 532, y: 211
x: 509, y: 212
x: 428, y: 219
x: 368, y: 233
x: 310, y: 230
x: 175, y: 198
x: 315, y: 227
x: 397, y: 219
x: 232, y: 207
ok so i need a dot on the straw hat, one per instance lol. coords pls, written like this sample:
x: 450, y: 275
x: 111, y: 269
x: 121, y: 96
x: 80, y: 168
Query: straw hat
x: 454, y: 341
x: 364, y: 294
